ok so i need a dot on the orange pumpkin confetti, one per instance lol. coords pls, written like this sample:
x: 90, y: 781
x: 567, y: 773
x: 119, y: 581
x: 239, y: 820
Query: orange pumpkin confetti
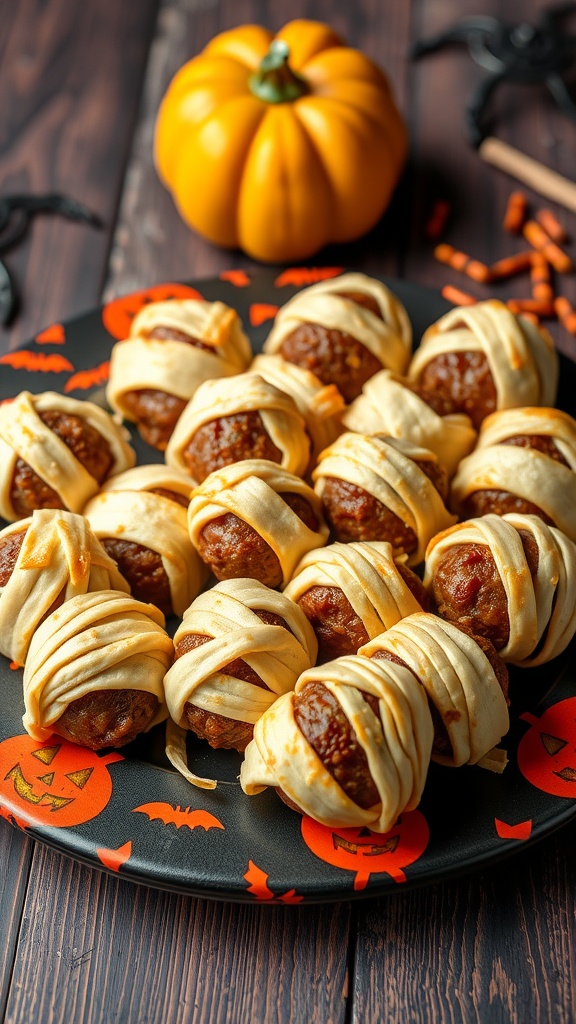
x: 552, y: 226
x: 463, y: 262
x: 239, y: 278
x: 523, y: 830
x: 540, y: 241
x: 566, y: 314
x: 511, y: 265
x: 542, y: 289
x: 458, y: 297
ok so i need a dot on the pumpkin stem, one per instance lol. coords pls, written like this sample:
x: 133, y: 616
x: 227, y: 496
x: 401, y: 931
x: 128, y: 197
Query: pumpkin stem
x: 275, y: 81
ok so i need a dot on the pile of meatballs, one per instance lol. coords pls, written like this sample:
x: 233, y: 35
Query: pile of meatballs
x: 356, y: 540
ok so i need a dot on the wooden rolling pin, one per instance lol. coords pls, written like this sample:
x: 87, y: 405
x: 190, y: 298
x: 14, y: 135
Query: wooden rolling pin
x: 530, y: 172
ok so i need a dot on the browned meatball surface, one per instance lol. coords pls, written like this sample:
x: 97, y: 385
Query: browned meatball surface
x: 29, y: 491
x: 467, y: 589
x: 335, y: 357
x: 540, y: 443
x: 338, y: 628
x: 466, y: 381
x: 229, y: 439
x: 143, y: 571
x: 9, y: 550
x: 323, y: 723
x: 438, y: 401
x: 353, y: 514
x: 234, y: 549
x: 479, y: 503
x: 155, y: 413
x: 219, y: 731
x: 107, y: 718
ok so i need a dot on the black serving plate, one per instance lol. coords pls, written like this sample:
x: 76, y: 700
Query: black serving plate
x: 134, y: 815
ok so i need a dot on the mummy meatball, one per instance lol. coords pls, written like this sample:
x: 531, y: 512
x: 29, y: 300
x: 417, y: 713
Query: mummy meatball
x: 95, y: 669
x: 254, y: 519
x: 353, y: 592
x: 511, y: 579
x: 321, y: 405
x: 55, y: 452
x: 525, y: 462
x: 393, y: 405
x: 44, y: 561
x: 343, y: 330
x: 173, y: 347
x: 239, y: 646
x: 146, y: 533
x: 483, y: 357
x: 383, y: 488
x: 235, y: 418
x: 464, y: 678
x: 351, y: 746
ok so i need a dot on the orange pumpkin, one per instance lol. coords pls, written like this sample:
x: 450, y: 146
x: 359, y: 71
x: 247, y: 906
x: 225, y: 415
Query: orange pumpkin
x: 281, y: 144
x: 547, y: 752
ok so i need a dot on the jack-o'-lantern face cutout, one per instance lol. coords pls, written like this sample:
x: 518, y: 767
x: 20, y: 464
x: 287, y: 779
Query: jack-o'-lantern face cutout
x: 547, y: 753
x: 117, y: 315
x: 365, y: 852
x: 55, y: 783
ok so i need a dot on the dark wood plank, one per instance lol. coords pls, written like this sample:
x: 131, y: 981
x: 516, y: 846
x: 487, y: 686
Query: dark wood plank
x: 97, y: 949
x: 445, y: 165
x: 492, y: 948
x: 70, y: 79
x: 15, y: 856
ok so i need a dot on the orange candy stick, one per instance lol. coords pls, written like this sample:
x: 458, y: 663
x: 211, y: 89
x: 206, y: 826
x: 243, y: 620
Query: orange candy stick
x: 457, y: 297
x: 566, y: 314
x: 540, y: 241
x: 461, y: 261
x: 512, y: 265
x: 515, y: 213
x: 544, y: 309
x: 552, y: 226
x: 542, y: 289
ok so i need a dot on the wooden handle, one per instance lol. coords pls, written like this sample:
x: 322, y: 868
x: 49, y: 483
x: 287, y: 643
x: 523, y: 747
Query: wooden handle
x: 530, y: 172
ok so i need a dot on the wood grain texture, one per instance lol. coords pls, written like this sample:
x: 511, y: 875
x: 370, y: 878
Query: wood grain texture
x: 494, y: 948
x: 96, y: 949
x: 15, y: 856
x: 70, y: 79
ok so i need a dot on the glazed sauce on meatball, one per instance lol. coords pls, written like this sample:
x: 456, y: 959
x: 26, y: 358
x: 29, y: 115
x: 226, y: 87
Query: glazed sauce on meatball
x: 464, y: 378
x: 143, y: 570
x: 9, y: 550
x: 29, y: 491
x: 467, y: 589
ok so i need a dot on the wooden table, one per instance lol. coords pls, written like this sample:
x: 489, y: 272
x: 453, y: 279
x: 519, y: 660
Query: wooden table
x: 80, y: 85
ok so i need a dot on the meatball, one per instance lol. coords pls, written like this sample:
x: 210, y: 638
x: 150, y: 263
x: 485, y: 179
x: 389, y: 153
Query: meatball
x: 540, y: 443
x: 463, y: 379
x: 9, y: 550
x: 180, y: 499
x: 143, y: 570
x: 29, y: 491
x: 334, y: 356
x: 234, y: 549
x: 157, y: 412
x: 107, y: 718
x: 338, y: 628
x: 323, y: 723
x: 479, y: 503
x: 219, y: 731
x: 441, y: 746
x: 467, y: 589
x: 226, y: 440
